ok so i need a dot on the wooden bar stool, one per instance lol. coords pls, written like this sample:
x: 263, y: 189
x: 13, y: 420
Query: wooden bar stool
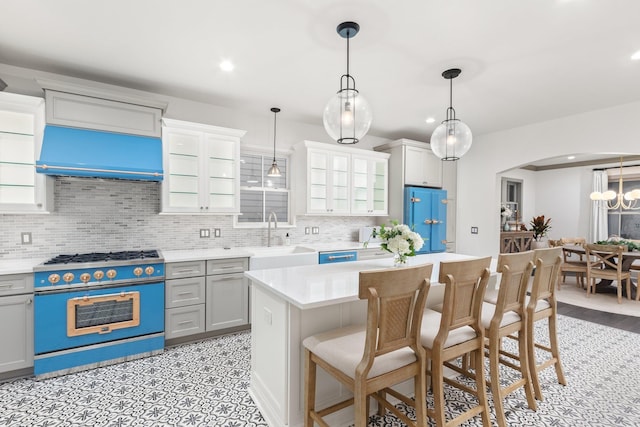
x: 370, y: 359
x: 506, y: 316
x: 542, y: 305
x: 456, y: 331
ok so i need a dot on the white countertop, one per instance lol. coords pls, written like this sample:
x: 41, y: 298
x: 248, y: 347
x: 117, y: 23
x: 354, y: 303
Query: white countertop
x: 320, y: 285
x: 203, y: 254
x: 19, y: 266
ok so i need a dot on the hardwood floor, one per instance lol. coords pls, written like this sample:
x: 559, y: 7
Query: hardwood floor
x: 619, y: 321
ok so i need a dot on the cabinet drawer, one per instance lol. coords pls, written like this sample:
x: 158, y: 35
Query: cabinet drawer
x: 13, y: 284
x: 373, y: 253
x: 183, y: 292
x: 333, y: 257
x: 226, y: 266
x: 177, y: 270
x: 182, y: 321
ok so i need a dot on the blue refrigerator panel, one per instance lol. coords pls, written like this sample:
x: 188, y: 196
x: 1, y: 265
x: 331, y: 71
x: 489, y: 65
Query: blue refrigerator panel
x: 425, y: 211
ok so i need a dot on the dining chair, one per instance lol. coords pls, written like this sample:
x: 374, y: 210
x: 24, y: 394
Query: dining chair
x: 369, y: 359
x: 455, y: 332
x: 503, y: 317
x: 572, y: 262
x: 540, y: 305
x: 610, y: 258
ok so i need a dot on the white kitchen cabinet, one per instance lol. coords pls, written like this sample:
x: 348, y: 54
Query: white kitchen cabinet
x: 369, y: 185
x: 338, y: 180
x: 16, y: 318
x: 202, y: 168
x: 422, y: 167
x: 411, y: 164
x: 22, y: 190
x: 90, y: 112
x: 227, y: 294
x: 450, y: 183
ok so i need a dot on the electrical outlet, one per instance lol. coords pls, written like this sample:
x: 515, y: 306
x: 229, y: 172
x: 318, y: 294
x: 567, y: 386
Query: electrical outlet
x: 25, y: 238
x: 474, y: 230
x: 315, y: 230
x: 216, y: 232
x: 307, y: 230
x: 204, y: 232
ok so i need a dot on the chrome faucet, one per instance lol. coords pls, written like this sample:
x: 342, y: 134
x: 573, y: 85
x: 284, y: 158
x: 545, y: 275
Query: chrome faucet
x: 275, y: 218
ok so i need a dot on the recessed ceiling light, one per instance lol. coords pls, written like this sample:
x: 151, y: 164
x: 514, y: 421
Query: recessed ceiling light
x: 430, y: 120
x: 571, y: 157
x: 636, y: 56
x: 226, y: 65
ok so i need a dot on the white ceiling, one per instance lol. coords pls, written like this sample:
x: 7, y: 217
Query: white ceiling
x: 522, y: 62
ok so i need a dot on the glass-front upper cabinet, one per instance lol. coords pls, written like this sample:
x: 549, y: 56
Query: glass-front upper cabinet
x: 201, y: 166
x: 369, y: 185
x: 22, y: 190
x: 337, y: 180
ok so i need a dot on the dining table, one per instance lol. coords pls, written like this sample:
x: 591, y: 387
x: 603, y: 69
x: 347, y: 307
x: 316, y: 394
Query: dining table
x: 605, y: 285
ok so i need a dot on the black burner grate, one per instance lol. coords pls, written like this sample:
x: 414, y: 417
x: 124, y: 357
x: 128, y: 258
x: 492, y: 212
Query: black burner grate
x: 103, y: 256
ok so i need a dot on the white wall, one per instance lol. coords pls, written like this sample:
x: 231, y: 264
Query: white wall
x: 614, y: 130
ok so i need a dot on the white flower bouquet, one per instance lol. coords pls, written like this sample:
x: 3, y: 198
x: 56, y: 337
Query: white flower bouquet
x: 400, y: 240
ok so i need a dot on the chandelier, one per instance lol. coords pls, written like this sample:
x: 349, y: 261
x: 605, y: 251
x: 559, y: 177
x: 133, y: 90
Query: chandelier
x: 628, y: 200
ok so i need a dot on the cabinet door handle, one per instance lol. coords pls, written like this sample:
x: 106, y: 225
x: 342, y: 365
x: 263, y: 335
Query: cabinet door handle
x: 428, y: 221
x: 185, y: 322
x: 184, y: 293
x: 29, y: 301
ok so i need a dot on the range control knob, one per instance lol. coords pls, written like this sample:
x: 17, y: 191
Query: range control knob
x: 111, y: 274
x: 68, y: 277
x: 149, y: 270
x: 137, y: 271
x: 85, y: 277
x: 98, y: 275
x: 54, y: 278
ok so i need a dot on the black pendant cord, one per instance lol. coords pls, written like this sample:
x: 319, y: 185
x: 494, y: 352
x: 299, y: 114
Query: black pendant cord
x: 274, y: 136
x: 348, y: 37
x: 451, y: 113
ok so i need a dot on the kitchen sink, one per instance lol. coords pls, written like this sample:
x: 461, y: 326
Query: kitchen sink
x: 281, y: 256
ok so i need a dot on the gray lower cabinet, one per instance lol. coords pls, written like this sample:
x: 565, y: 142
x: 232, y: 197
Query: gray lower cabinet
x: 184, y: 306
x: 206, y: 295
x: 16, y: 322
x: 227, y: 293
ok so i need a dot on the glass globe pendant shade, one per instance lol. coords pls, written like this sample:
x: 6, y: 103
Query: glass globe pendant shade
x: 347, y: 116
x: 451, y: 140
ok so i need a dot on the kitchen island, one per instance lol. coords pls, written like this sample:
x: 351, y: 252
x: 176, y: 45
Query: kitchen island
x: 290, y: 304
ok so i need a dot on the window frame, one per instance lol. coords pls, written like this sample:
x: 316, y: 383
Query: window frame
x: 267, y: 158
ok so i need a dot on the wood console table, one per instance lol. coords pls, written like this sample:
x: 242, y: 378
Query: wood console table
x: 515, y: 241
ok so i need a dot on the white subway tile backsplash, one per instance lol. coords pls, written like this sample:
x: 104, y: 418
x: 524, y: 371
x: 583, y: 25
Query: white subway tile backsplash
x: 111, y: 215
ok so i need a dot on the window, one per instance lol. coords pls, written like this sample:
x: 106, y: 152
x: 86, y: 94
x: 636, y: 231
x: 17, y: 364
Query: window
x: 259, y: 194
x: 512, y: 196
x: 622, y: 222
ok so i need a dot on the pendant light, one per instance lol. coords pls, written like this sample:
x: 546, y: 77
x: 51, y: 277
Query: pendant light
x: 452, y: 139
x: 347, y: 116
x: 274, y: 171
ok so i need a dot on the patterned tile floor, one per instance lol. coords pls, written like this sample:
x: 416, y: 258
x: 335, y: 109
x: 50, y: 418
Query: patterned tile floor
x: 206, y: 384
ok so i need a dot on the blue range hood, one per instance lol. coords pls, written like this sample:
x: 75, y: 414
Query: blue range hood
x: 90, y: 153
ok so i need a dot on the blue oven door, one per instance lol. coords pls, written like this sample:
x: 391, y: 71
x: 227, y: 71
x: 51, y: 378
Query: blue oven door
x: 74, y: 319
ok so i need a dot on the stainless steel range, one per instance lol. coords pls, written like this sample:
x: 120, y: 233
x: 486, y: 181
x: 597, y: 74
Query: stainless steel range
x: 96, y: 309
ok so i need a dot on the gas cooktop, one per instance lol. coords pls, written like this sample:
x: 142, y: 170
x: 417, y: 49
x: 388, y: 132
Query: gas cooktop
x: 103, y: 256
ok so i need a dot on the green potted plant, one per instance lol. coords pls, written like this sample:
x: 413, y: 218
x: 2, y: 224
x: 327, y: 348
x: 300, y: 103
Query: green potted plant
x: 540, y: 227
